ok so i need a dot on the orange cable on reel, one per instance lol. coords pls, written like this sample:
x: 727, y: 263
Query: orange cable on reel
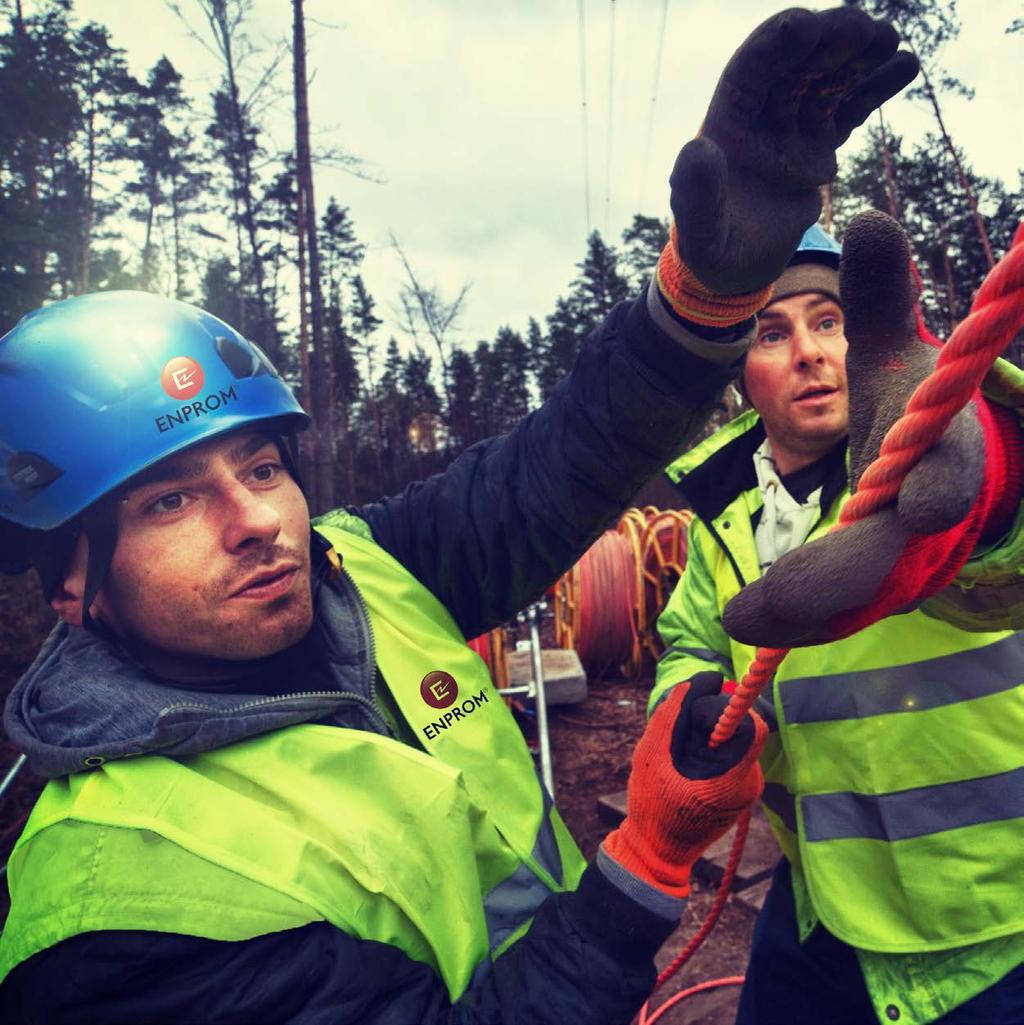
x: 996, y: 314
x: 607, y: 604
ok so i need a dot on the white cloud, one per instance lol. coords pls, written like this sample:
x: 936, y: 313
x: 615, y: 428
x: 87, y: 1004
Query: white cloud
x: 470, y: 112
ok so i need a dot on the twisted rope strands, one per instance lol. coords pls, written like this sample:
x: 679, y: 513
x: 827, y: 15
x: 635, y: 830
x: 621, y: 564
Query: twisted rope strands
x: 996, y: 314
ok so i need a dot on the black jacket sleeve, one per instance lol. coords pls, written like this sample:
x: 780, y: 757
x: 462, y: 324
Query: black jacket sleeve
x: 511, y: 514
x: 587, y: 959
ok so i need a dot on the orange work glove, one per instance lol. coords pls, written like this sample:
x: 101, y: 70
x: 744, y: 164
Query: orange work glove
x: 683, y: 795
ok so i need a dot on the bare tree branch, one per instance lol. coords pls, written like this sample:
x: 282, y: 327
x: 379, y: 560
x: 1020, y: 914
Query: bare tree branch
x: 426, y: 306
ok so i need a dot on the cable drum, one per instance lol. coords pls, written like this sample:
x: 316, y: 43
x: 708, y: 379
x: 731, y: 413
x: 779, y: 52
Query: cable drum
x: 605, y: 637
x: 663, y: 551
x: 607, y: 605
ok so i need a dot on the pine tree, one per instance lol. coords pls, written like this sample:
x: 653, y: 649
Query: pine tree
x: 364, y: 323
x: 644, y: 240
x: 462, y: 417
x: 152, y: 145
x: 236, y: 134
x: 38, y: 182
x: 511, y: 398
x: 104, y: 83
x: 567, y: 328
x: 600, y: 284
x: 926, y: 26
x: 947, y: 249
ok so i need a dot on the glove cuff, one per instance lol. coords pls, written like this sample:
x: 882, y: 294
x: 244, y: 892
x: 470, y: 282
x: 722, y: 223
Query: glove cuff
x: 636, y: 857
x: 692, y: 300
x: 654, y: 898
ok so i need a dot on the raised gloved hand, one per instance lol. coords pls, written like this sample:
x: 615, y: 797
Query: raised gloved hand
x: 965, y: 488
x: 683, y: 795
x: 745, y: 190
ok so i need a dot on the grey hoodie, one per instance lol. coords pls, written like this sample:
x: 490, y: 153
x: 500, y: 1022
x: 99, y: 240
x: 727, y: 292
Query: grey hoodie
x: 86, y: 700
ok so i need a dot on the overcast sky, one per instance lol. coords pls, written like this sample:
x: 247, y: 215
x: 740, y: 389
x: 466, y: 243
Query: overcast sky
x: 469, y: 112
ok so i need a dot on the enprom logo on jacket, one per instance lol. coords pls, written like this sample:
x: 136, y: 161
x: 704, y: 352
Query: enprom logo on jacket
x: 439, y: 689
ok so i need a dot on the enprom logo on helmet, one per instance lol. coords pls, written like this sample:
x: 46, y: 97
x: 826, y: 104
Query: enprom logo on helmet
x: 182, y: 378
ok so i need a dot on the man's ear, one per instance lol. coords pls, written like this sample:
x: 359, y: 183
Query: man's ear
x: 67, y: 596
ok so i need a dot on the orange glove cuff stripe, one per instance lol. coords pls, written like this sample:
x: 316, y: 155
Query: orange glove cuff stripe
x: 694, y: 301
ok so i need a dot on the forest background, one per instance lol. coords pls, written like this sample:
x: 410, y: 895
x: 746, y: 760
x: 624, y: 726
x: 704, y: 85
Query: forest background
x: 177, y: 177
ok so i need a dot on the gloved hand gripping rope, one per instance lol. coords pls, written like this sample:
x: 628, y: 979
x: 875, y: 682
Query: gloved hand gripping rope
x: 767, y: 609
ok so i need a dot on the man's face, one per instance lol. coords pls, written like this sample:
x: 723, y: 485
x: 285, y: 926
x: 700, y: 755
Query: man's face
x: 212, y: 561
x: 795, y: 377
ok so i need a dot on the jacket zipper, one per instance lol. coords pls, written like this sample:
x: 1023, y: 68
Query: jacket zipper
x: 370, y: 705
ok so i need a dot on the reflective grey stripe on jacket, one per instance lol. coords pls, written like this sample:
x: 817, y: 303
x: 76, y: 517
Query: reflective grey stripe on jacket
x: 917, y: 812
x: 703, y: 654
x: 516, y: 898
x: 932, y: 683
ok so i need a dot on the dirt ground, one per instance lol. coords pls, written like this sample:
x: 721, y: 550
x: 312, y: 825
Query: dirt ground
x: 591, y: 746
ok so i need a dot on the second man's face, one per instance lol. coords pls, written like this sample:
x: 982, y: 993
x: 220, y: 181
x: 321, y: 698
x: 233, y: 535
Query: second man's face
x: 795, y: 376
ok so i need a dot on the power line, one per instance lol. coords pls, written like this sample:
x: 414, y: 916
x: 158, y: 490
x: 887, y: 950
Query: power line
x: 581, y: 20
x: 611, y: 104
x: 654, y: 99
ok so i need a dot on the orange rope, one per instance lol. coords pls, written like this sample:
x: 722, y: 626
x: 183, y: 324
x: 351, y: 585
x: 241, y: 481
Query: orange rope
x: 663, y: 561
x: 996, y: 315
x: 742, y: 825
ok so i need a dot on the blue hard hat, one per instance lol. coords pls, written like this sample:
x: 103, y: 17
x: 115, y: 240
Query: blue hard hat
x: 96, y: 388
x: 817, y: 246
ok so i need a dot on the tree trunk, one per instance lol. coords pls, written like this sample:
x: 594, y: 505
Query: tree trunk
x: 375, y: 409
x: 30, y: 156
x: 890, y: 182
x: 267, y: 331
x: 986, y: 245
x: 243, y: 315
x: 826, y: 203
x: 179, y: 276
x: 87, y: 213
x: 323, y: 382
x: 950, y: 290
x: 307, y: 453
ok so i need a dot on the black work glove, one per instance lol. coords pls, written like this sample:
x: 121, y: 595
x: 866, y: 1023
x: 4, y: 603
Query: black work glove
x: 967, y: 485
x: 745, y: 190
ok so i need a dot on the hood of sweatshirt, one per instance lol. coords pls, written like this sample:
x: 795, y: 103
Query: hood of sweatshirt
x: 86, y: 700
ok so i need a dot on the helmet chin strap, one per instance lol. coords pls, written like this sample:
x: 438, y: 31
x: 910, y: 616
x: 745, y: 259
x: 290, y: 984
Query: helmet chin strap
x: 99, y: 524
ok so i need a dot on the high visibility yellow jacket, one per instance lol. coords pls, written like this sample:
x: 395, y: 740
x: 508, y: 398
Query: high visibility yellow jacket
x: 894, y: 779
x: 444, y: 851
x: 484, y: 537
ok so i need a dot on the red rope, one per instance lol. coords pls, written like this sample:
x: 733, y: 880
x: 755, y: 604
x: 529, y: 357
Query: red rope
x: 742, y: 825
x: 996, y: 315
x: 678, y: 998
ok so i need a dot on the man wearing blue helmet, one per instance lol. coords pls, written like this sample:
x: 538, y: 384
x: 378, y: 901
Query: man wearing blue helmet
x: 886, y: 786
x: 281, y: 786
